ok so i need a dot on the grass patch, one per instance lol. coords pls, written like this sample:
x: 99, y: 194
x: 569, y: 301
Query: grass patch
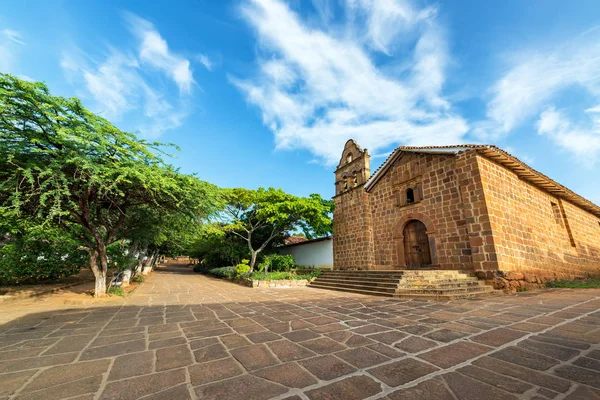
x: 278, y: 276
x: 138, y: 279
x: 117, y: 291
x: 591, y: 282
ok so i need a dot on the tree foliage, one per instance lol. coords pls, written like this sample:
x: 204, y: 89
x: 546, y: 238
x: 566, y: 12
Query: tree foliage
x: 62, y: 164
x: 260, y: 216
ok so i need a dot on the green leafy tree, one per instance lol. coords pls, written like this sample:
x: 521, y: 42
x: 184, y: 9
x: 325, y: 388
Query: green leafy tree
x: 61, y: 163
x: 260, y: 216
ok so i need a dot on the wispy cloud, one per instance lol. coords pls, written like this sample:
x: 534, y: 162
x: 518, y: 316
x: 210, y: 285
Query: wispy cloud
x: 10, y: 41
x: 534, y: 84
x: 318, y: 87
x: 154, y: 50
x: 122, y: 82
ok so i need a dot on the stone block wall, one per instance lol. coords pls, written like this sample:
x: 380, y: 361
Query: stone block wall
x: 537, y: 236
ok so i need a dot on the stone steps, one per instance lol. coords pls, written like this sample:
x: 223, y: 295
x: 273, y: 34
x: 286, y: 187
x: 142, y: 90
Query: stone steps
x: 427, y: 285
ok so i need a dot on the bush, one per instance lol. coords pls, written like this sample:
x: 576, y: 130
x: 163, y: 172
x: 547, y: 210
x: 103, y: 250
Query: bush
x: 277, y: 263
x: 278, y: 276
x: 39, y: 255
x: 223, y: 272
x: 202, y: 268
x: 241, y: 270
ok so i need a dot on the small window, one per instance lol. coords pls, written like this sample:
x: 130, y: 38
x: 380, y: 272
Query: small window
x: 410, y: 196
x: 556, y: 212
x: 355, y: 180
x: 349, y: 158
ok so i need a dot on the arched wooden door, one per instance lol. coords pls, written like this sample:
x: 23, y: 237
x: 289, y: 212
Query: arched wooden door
x: 416, y: 245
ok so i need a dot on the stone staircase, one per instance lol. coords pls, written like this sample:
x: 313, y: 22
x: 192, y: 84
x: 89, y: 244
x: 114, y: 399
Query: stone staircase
x: 409, y: 284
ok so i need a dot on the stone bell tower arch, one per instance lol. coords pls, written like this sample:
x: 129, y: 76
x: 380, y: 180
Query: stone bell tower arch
x: 352, y: 228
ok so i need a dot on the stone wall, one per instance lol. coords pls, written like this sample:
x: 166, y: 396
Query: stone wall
x: 537, y: 236
x: 437, y: 204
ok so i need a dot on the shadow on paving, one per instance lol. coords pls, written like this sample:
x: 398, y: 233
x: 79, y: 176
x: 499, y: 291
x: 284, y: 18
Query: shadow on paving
x: 224, y: 341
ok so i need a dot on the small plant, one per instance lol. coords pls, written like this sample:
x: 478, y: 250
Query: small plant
x: 242, y: 269
x: 277, y: 263
x: 522, y: 289
x: 223, y: 272
x: 589, y: 282
x: 117, y: 291
x: 138, y: 279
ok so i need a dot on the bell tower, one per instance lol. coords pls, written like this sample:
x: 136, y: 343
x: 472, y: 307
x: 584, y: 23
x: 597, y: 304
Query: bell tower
x: 354, y: 168
x: 352, y: 229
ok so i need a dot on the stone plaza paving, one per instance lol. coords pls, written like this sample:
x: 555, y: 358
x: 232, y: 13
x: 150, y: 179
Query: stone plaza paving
x: 183, y: 335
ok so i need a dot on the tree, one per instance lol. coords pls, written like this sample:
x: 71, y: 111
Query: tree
x: 61, y: 163
x: 260, y: 216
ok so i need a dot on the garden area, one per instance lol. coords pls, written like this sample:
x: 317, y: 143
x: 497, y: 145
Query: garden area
x: 76, y: 193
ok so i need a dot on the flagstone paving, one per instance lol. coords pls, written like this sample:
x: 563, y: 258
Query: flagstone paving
x: 183, y: 336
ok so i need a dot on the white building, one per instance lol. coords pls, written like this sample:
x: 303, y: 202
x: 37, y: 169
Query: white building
x: 316, y: 253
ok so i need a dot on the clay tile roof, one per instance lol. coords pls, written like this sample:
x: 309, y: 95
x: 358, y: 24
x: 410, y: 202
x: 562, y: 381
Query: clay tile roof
x: 294, y: 240
x: 499, y: 156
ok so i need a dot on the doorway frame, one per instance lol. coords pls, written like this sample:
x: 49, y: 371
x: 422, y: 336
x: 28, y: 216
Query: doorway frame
x: 430, y: 231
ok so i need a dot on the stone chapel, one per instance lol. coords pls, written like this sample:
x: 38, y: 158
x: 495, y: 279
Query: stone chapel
x: 465, y: 207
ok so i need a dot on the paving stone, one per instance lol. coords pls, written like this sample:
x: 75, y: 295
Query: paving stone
x: 323, y: 345
x: 497, y: 380
x: 528, y: 327
x: 581, y: 375
x: 498, y: 337
x: 114, y: 350
x: 180, y: 392
x: 67, y: 373
x: 525, y: 358
x: 388, y: 337
x: 262, y: 337
x: 327, y: 367
x: 433, y: 389
x: 560, y: 341
x: 106, y: 340
x: 290, y: 375
x: 70, y: 344
x: 584, y: 393
x: 301, y: 335
x: 173, y: 327
x: 328, y: 328
x: 401, y: 372
x: 254, y: 357
x: 415, y: 344
x: 353, y: 388
x: 234, y: 341
x: 466, y: 388
x: 134, y: 388
x: 210, y: 353
x: 65, y: 390
x: 547, y: 393
x: 20, y: 353
x: 362, y: 357
x: 524, y: 374
x: 201, y: 343
x: 588, y: 363
x: 445, y: 335
x: 289, y: 351
x: 372, y: 328
x: 417, y: 329
x: 454, y: 354
x: 173, y: 357
x: 131, y: 365
x: 37, y: 362
x: 9, y: 383
x: 550, y: 350
x: 386, y: 350
x: 595, y: 354
x: 358, y: 340
x: 250, y: 386
x: 201, y: 374
x: 166, y: 335
x: 166, y: 343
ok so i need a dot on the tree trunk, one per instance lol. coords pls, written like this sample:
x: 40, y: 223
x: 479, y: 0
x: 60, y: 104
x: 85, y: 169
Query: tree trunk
x: 253, y: 255
x: 101, y: 279
x: 100, y: 286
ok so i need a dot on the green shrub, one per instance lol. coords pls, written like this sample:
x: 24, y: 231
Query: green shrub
x: 202, y: 268
x: 241, y: 270
x: 277, y: 276
x: 138, y: 279
x: 117, y: 291
x: 223, y: 272
x: 39, y: 255
x: 277, y: 263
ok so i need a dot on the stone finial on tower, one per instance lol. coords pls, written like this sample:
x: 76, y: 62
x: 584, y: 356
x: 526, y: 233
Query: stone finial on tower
x: 354, y: 168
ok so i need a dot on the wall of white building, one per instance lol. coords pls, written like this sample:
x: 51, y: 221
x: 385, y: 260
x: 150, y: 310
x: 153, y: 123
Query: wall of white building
x: 317, y: 253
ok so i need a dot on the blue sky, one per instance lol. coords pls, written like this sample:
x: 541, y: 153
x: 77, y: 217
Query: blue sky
x: 266, y: 92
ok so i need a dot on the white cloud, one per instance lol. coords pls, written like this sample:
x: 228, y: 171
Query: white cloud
x: 317, y: 88
x: 10, y: 41
x: 582, y: 140
x: 204, y: 60
x: 154, y: 50
x: 536, y: 78
x: 122, y: 86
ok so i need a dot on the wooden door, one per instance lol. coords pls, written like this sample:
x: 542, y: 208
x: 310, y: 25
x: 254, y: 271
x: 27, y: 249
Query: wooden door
x: 416, y: 245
